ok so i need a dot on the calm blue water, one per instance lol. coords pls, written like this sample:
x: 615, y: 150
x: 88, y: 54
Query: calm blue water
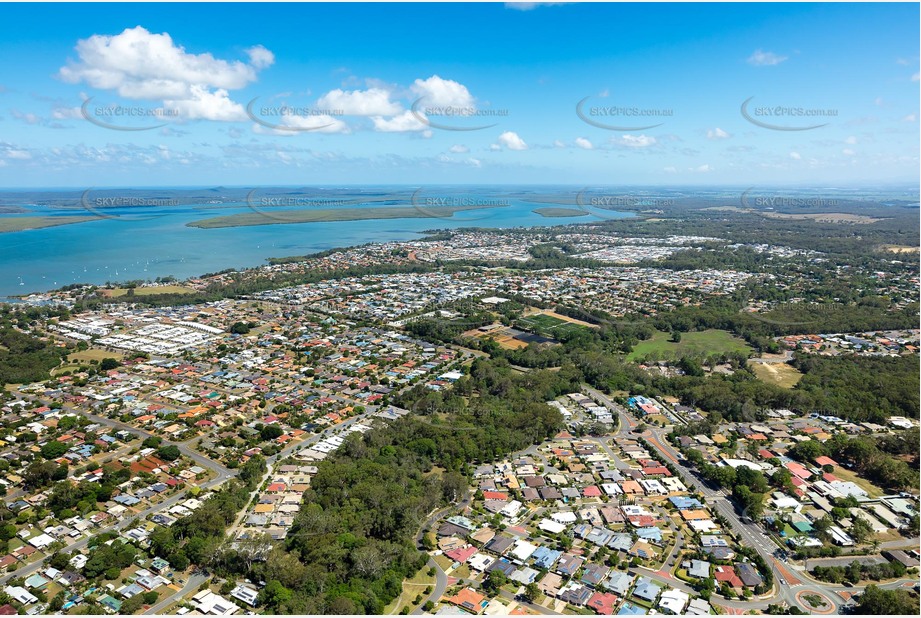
x: 129, y: 247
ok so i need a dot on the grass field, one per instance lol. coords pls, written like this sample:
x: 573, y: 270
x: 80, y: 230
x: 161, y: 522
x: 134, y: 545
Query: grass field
x: 411, y: 589
x: 549, y: 326
x: 93, y: 354
x: 781, y: 374
x: 700, y: 343
x: 146, y: 291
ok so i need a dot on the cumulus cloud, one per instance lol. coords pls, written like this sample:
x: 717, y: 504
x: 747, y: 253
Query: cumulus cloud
x: 459, y: 148
x: 202, y: 104
x: 438, y: 92
x: 401, y: 123
x: 138, y: 64
x: 850, y: 140
x: 717, y: 133
x: 762, y: 58
x: 510, y: 140
x: 9, y: 151
x: 371, y: 102
x: 848, y: 152
x: 260, y: 57
x: 635, y: 141
x: 141, y: 65
x: 702, y: 168
x: 795, y: 155
x: 581, y: 142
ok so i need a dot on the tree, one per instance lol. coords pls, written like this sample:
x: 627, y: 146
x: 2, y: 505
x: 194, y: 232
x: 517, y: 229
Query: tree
x: 878, y: 601
x: 270, y: 432
x: 494, y: 582
x: 531, y: 592
x: 860, y: 529
x: 108, y: 364
x: 169, y: 452
x: 54, y: 449
x: 274, y: 594
x: 57, y: 602
x: 240, y: 328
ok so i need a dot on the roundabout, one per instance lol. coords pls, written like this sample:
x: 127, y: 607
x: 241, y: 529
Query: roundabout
x: 815, y: 602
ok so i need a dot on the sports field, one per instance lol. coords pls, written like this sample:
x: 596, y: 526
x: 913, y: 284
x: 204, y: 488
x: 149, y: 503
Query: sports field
x: 700, y: 343
x: 550, y: 325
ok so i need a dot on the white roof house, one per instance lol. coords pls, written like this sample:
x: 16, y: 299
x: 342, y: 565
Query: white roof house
x: 245, y: 593
x: 673, y: 601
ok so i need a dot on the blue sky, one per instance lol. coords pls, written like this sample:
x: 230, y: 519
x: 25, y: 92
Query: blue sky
x: 373, y: 92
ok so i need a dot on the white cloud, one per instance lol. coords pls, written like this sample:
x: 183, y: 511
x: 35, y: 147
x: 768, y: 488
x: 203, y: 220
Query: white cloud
x: 402, y: 123
x: 850, y: 140
x: 475, y: 162
x: 717, y: 133
x: 795, y: 155
x: 581, y: 142
x: 916, y: 77
x: 459, y: 148
x: 528, y: 6
x: 438, y: 92
x: 26, y: 117
x: 495, y: 147
x: 510, y: 140
x: 762, y: 58
x: 703, y: 168
x: 203, y: 104
x: 848, y: 152
x: 635, y: 141
x: 66, y: 113
x: 558, y: 144
x: 140, y: 65
x: 260, y: 57
x: 371, y: 102
x: 910, y: 118
x: 9, y: 151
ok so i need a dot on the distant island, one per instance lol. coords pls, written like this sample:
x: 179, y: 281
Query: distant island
x: 560, y: 212
x: 329, y: 214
